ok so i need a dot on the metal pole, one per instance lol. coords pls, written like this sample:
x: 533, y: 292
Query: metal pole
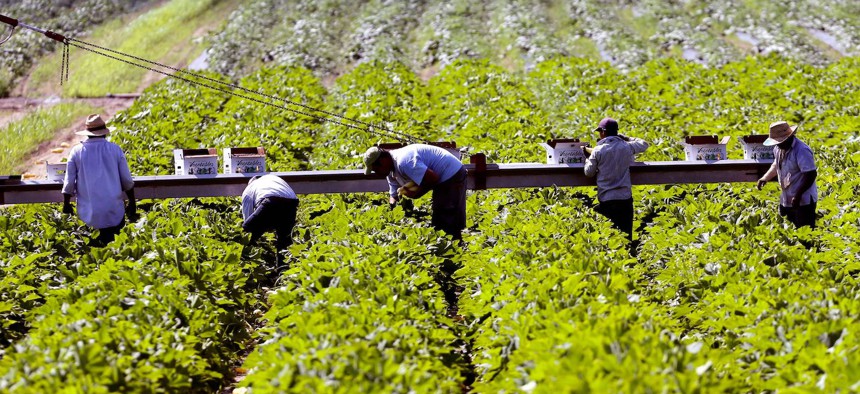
x: 494, y: 176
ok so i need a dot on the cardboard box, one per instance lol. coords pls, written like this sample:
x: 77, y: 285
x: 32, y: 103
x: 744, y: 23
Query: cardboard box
x: 564, y: 151
x: 447, y: 145
x: 244, y: 160
x: 56, y: 171
x: 195, y: 161
x: 705, y: 147
x: 754, y: 148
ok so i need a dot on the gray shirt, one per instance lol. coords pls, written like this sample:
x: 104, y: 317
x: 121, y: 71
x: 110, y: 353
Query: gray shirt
x: 788, y: 164
x: 610, y: 161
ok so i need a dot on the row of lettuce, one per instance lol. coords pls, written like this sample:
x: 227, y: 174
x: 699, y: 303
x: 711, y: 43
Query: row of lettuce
x: 722, y: 295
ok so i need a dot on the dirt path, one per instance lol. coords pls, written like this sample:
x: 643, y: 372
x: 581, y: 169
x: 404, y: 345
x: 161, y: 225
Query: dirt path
x: 12, y: 109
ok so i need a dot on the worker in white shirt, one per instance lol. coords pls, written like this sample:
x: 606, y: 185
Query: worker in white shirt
x: 97, y: 174
x: 270, y: 204
x: 417, y: 169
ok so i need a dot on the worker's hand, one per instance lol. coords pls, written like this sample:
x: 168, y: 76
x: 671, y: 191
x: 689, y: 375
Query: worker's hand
x: 410, y: 193
x: 795, y: 202
x: 586, y: 151
x: 392, y: 201
x: 624, y: 137
x: 761, y: 183
x: 67, y: 208
x: 131, y: 211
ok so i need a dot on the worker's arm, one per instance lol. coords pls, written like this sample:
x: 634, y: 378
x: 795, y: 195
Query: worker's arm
x: 590, y: 163
x: 392, y: 190
x: 70, y: 184
x: 638, y: 145
x: 430, y: 180
x: 131, y: 209
x: 771, y: 172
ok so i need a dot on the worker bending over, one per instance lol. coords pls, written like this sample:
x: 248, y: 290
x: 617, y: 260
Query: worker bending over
x: 270, y: 204
x: 610, y: 162
x: 417, y: 169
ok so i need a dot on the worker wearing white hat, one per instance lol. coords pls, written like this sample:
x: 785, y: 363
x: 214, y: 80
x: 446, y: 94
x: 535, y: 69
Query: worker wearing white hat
x: 794, y: 167
x: 97, y: 174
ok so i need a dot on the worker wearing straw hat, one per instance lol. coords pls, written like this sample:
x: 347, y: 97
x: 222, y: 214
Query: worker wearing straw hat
x: 97, y: 174
x: 417, y: 169
x: 794, y: 167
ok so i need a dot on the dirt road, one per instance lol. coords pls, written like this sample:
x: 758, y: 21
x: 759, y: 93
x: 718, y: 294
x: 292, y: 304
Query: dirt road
x: 12, y: 109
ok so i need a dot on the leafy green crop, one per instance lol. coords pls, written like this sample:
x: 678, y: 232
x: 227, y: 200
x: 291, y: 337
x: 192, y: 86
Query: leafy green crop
x: 721, y: 293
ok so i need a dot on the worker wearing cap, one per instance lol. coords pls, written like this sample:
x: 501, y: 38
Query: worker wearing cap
x: 417, y: 169
x: 97, y: 174
x: 270, y: 204
x: 610, y: 162
x: 794, y: 167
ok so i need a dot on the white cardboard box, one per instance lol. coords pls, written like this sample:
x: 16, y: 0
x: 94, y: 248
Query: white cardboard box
x: 244, y: 160
x: 564, y: 151
x: 754, y: 148
x: 56, y: 171
x: 705, y: 147
x: 195, y: 161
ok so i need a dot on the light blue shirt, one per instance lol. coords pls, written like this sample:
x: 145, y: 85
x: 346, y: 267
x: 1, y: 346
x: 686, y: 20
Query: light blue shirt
x: 789, y: 164
x: 97, y: 175
x: 264, y: 187
x: 412, y: 161
x: 610, y: 161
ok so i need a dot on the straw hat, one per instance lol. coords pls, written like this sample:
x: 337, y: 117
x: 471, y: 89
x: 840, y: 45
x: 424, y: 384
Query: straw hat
x: 779, y: 132
x: 95, y: 127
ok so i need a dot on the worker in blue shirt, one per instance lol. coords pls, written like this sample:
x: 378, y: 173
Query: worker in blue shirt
x: 97, y: 174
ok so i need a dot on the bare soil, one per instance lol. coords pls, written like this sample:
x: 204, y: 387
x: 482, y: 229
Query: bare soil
x: 12, y: 109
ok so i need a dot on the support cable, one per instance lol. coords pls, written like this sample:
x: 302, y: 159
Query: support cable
x: 109, y: 53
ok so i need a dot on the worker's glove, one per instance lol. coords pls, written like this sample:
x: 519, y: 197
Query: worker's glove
x: 131, y: 212
x: 761, y: 183
x: 67, y: 208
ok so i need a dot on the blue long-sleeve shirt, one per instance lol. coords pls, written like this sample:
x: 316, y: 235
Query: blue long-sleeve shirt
x: 97, y: 175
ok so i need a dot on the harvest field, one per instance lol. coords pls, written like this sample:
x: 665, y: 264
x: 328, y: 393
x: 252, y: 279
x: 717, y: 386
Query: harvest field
x: 720, y: 296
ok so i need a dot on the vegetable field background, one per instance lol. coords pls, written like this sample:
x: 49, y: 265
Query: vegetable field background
x: 721, y: 296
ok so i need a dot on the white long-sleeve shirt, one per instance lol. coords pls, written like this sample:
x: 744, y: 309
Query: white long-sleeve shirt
x: 610, y: 161
x: 97, y: 175
x: 263, y: 187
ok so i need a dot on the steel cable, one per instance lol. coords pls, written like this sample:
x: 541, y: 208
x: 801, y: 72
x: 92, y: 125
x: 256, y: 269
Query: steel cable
x: 400, y: 136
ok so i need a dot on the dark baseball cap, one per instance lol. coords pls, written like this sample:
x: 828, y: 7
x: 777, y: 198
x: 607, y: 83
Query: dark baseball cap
x: 608, y: 125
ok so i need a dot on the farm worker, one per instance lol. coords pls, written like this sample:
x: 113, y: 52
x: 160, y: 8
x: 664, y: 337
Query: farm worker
x: 97, y: 175
x: 270, y: 204
x: 610, y: 162
x: 417, y: 169
x: 794, y: 167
